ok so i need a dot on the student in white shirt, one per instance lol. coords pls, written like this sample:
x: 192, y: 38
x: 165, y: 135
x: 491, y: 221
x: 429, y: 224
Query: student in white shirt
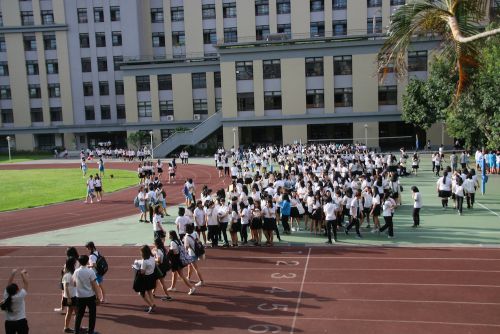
x: 444, y: 189
x: 470, y: 190
x: 223, y: 214
x: 189, y: 244
x: 387, y: 213
x: 330, y: 209
x: 417, y: 205
x: 200, y: 222
x: 356, y: 210
x: 459, y: 195
x: 69, y: 293
x: 158, y: 231
x: 181, y: 221
x: 87, y: 293
x: 147, y: 271
x: 14, y: 306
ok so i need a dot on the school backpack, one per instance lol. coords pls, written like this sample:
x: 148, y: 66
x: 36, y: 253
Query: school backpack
x: 101, y: 265
x: 136, y: 201
x: 199, y: 249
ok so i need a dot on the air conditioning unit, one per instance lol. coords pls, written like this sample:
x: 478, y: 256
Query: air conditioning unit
x: 170, y: 118
x: 197, y: 117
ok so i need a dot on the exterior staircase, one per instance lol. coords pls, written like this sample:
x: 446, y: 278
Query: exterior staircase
x: 189, y: 137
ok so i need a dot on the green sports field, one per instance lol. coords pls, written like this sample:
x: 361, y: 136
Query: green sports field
x: 20, y: 157
x: 37, y: 187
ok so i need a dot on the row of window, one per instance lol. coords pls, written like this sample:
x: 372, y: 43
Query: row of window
x: 105, y: 112
x: 34, y: 91
x: 102, y: 64
x: 51, y: 67
x: 28, y: 18
x: 88, y: 88
x: 114, y: 14
x: 29, y: 42
x: 198, y: 80
x: 144, y: 108
x: 100, y: 39
x: 36, y: 115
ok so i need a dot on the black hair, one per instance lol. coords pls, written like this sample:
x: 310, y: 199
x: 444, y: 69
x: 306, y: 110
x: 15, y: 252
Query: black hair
x: 11, y: 290
x: 146, y: 252
x: 72, y: 252
x: 173, y: 235
x: 415, y: 189
x: 90, y: 245
x: 445, y: 174
x: 70, y: 265
x: 159, y: 244
x: 181, y: 211
x: 83, y: 260
x: 189, y: 228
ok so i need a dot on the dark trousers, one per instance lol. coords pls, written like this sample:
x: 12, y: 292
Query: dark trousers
x: 223, y: 229
x: 81, y: 305
x: 355, y: 222
x: 244, y: 232
x: 433, y: 166
x: 470, y: 200
x: 331, y: 225
x: 151, y: 212
x: 213, y: 234
x: 17, y: 327
x: 416, y: 216
x: 388, y: 224
x: 284, y: 222
x: 460, y: 203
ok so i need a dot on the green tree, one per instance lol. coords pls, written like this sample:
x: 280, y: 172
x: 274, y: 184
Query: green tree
x: 137, y: 139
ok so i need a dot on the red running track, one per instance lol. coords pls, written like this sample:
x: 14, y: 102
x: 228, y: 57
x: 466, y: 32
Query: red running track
x: 289, y: 290
x: 115, y: 205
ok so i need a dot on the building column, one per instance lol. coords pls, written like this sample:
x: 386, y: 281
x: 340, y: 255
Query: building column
x: 329, y: 84
x: 294, y: 133
x: 366, y: 132
x: 258, y: 87
x: 25, y: 142
x: 155, y: 97
x: 229, y: 136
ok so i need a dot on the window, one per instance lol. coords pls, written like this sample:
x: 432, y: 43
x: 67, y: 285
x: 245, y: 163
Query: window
x: 283, y: 6
x: 339, y: 4
x: 82, y: 15
x: 178, y: 38
x: 142, y: 83
x: 229, y: 10
x: 54, y: 90
x: 199, y: 80
x: 3, y: 45
x: 98, y: 14
x: 52, y: 66
x: 34, y: 91
x: 244, y: 70
x: 166, y: 108
x: 36, y: 115
x: 49, y: 41
x: 209, y: 36
x: 314, y: 67
x: 317, y: 5
x: 5, y: 93
x: 102, y: 64
x: 339, y: 27
x: 88, y: 89
x: 217, y: 80
x: 29, y: 43
x: 387, y: 95
x: 158, y: 39
x: 1, y: 20
x: 218, y: 104
x: 86, y: 65
x: 27, y: 18
x: 103, y: 88
x: 117, y: 62
x: 84, y: 41
x: 285, y: 29
x: 230, y: 35
x: 200, y: 107
x: 114, y: 13
x: 272, y: 100
x: 245, y: 101
x: 105, y: 112
x: 417, y: 61
x: 156, y: 15
x: 397, y: 2
x: 144, y: 109
x: 7, y: 116
x: 342, y: 65
x: 119, y: 88
x: 343, y: 97
x: 32, y: 67
x: 4, y: 68
x: 261, y: 7
x: 272, y: 69
x: 177, y: 13
x: 116, y: 38
x: 208, y: 12
x: 56, y: 114
x: 120, y: 111
x: 317, y: 29
x: 374, y: 25
x: 261, y: 32
x: 165, y: 82
x: 47, y: 17
x: 100, y: 39
x: 89, y: 113
x: 315, y: 98
x: 374, y: 3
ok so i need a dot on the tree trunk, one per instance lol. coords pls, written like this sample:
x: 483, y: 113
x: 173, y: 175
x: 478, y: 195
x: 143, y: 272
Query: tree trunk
x: 457, y: 35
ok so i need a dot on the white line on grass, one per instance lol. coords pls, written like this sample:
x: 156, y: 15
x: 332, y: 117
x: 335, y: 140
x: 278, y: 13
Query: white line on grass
x: 299, y: 299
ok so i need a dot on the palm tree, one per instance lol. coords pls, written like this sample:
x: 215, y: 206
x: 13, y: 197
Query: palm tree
x: 456, y: 22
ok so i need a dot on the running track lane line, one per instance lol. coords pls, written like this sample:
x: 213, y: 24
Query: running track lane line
x: 299, y: 298
x: 485, y: 207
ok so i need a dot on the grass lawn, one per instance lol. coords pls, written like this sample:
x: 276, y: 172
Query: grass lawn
x: 21, y: 157
x: 36, y: 187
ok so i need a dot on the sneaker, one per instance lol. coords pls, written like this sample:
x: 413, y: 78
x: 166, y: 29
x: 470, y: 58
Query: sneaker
x: 191, y: 291
x: 171, y: 289
x: 59, y: 310
x: 293, y: 229
x: 166, y: 299
x: 151, y: 309
x: 390, y: 237
x: 68, y: 330
x: 200, y: 283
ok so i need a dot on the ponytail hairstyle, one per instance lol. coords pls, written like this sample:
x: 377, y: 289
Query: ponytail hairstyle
x: 6, y: 304
x: 445, y: 174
